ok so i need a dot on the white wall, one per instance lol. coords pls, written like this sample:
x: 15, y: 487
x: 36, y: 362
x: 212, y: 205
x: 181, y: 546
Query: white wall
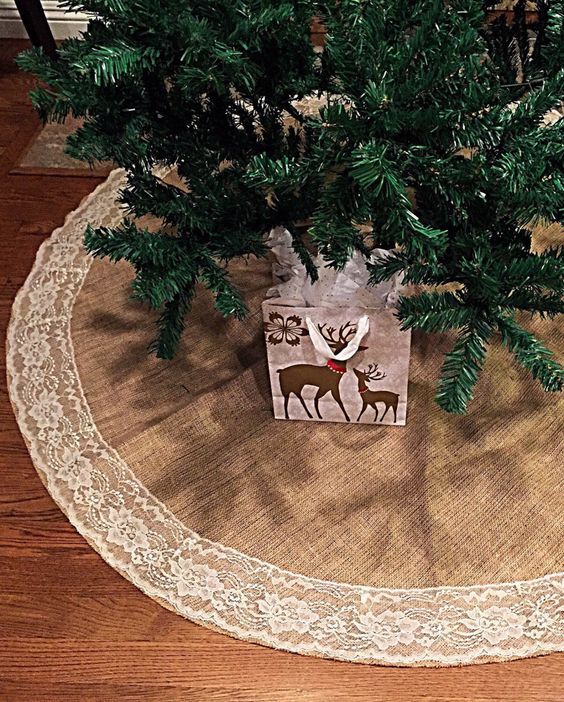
x: 63, y: 24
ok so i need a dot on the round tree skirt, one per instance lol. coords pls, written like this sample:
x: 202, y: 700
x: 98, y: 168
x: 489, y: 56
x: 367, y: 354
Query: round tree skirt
x: 439, y: 543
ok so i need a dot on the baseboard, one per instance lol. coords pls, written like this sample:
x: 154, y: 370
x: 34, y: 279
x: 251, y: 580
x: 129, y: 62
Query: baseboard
x: 63, y: 24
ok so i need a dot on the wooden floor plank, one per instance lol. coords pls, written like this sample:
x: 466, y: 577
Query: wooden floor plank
x: 222, y: 665
x: 71, y: 628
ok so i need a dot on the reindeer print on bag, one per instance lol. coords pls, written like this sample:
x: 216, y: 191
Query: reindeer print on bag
x: 370, y: 398
x: 314, y: 380
x: 326, y: 378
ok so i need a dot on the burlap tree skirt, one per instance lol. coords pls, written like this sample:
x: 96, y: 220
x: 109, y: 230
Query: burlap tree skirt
x: 435, y: 544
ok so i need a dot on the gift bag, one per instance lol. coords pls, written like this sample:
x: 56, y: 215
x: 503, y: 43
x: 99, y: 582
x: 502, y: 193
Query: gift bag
x: 335, y: 349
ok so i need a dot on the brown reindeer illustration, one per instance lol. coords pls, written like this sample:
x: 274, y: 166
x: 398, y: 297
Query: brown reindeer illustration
x: 371, y: 397
x: 325, y: 378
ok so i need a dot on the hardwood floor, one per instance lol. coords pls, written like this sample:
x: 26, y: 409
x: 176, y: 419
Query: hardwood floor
x: 71, y: 628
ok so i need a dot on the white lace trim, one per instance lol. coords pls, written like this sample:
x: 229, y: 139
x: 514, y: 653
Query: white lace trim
x: 207, y: 582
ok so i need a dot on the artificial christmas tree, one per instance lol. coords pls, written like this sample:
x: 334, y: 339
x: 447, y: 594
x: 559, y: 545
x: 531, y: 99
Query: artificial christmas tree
x: 420, y: 147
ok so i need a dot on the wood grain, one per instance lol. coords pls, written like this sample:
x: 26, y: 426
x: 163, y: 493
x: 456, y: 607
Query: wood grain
x: 72, y: 629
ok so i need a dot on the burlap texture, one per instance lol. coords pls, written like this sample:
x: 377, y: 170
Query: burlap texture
x: 446, y: 501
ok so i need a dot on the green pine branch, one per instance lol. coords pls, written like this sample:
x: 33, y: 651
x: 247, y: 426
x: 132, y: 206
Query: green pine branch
x: 462, y: 367
x: 227, y: 299
x: 116, y: 60
x: 171, y: 324
x: 545, y: 305
x: 434, y: 312
x: 303, y: 253
x: 545, y: 271
x: 138, y: 246
x: 531, y: 354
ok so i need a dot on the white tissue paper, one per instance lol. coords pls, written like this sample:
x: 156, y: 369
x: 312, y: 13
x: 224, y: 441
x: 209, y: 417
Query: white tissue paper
x: 343, y: 288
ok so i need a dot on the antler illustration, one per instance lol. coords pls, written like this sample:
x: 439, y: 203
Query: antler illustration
x: 346, y: 332
x: 328, y: 333
x: 343, y: 347
x: 372, y: 372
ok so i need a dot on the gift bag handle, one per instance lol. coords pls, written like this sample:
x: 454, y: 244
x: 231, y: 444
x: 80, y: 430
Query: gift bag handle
x: 350, y: 349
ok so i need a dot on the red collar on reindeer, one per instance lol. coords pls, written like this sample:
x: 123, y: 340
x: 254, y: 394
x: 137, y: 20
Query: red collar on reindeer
x: 337, y: 366
x: 361, y: 390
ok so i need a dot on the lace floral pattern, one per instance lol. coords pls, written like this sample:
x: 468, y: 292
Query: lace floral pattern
x: 207, y: 582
